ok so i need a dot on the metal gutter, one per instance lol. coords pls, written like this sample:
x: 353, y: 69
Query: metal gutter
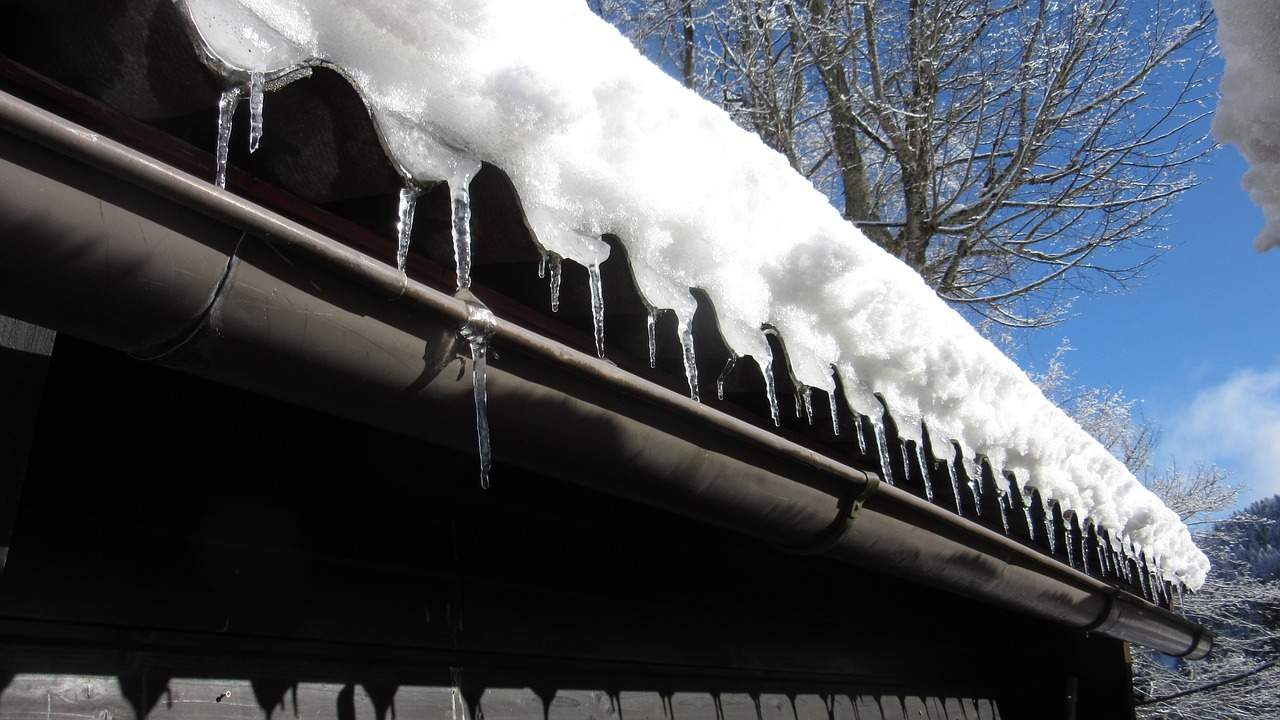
x: 107, y: 244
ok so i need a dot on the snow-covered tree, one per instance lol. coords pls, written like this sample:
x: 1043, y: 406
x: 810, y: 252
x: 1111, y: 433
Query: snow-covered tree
x: 1002, y: 148
x: 1241, y: 678
x: 1239, y: 602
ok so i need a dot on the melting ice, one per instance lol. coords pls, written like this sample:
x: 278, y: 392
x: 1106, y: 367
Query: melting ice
x: 598, y: 141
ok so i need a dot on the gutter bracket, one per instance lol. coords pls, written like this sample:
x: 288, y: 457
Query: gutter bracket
x: 851, y: 503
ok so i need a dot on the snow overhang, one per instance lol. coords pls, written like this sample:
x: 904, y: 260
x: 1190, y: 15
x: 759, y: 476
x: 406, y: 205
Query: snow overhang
x: 111, y: 245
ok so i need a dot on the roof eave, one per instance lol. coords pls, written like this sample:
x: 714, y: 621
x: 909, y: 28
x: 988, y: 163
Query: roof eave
x: 172, y: 269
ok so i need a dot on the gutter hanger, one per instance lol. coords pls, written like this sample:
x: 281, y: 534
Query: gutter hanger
x: 174, y: 270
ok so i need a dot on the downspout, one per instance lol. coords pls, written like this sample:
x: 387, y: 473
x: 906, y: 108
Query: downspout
x: 155, y: 266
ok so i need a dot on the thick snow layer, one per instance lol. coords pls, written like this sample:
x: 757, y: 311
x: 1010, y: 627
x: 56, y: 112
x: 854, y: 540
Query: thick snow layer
x: 597, y: 140
x: 1248, y: 115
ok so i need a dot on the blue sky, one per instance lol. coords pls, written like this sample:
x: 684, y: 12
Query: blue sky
x: 1196, y: 343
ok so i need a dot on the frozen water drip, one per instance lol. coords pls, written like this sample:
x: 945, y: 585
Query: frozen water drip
x: 728, y: 368
x: 479, y: 329
x: 460, y: 205
x: 226, y: 113
x: 555, y: 282
x: 685, y: 328
x: 404, y: 224
x: 256, y: 93
x: 882, y: 443
x: 597, y: 306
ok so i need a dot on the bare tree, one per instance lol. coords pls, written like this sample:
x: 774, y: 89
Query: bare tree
x: 1011, y: 151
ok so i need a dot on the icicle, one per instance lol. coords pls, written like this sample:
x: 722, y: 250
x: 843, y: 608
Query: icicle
x: 1099, y: 548
x: 1049, y: 529
x: 255, y: 110
x: 555, y: 282
x: 771, y: 389
x: 955, y: 482
x: 542, y: 263
x: 882, y: 442
x: 653, y: 339
x: 404, y: 226
x: 807, y: 393
x: 862, y: 435
x: 460, y: 198
x: 481, y: 324
x: 924, y: 471
x: 1003, y: 501
x: 1144, y: 578
x: 226, y: 113
x: 597, y: 306
x: 1026, y: 513
x: 728, y: 368
x: 1084, y: 547
x: 835, y: 406
x: 975, y: 488
x: 795, y: 393
x: 1071, y: 541
x: 690, y: 360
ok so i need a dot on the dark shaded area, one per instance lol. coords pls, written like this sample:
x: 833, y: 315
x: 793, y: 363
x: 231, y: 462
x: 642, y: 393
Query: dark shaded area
x: 223, y: 534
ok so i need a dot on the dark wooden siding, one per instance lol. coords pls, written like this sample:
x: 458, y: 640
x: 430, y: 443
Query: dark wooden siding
x: 173, y: 532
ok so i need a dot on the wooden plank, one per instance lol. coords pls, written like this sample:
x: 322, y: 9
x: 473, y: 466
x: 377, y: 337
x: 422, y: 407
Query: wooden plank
x: 90, y: 697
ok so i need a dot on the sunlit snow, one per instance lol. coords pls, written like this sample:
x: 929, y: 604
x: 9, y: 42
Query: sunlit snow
x: 596, y: 140
x: 1248, y: 115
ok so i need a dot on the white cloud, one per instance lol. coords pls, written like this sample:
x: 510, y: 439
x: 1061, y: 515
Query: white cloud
x: 1235, y: 424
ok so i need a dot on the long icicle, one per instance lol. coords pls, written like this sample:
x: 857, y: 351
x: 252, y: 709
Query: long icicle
x: 955, y: 482
x: 256, y: 93
x: 597, y: 305
x: 460, y: 203
x: 226, y: 113
x: 882, y: 443
x: 653, y: 339
x: 835, y: 402
x: 924, y: 471
x: 555, y: 282
x: 771, y: 389
x: 404, y: 225
x: 685, y: 329
x: 481, y: 324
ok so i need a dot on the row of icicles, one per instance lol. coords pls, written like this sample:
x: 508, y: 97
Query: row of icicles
x: 1112, y: 556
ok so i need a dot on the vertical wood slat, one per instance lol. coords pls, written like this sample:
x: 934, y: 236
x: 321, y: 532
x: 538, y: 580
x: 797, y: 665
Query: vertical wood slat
x: 24, y: 359
x: 88, y: 697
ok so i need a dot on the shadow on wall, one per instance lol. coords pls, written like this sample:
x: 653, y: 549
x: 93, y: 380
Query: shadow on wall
x: 157, y: 698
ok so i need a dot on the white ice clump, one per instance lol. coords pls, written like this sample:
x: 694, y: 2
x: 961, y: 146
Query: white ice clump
x: 1248, y: 115
x: 596, y: 140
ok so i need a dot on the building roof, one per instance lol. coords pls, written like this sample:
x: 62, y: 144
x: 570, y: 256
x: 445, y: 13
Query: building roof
x: 708, y: 460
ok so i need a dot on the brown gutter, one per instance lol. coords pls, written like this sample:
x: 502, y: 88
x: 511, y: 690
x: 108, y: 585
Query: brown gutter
x: 174, y: 270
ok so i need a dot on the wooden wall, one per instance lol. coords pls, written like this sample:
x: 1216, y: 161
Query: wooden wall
x: 178, y: 540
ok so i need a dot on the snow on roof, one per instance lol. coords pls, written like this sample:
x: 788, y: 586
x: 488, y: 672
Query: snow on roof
x: 1248, y: 115
x: 597, y: 140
